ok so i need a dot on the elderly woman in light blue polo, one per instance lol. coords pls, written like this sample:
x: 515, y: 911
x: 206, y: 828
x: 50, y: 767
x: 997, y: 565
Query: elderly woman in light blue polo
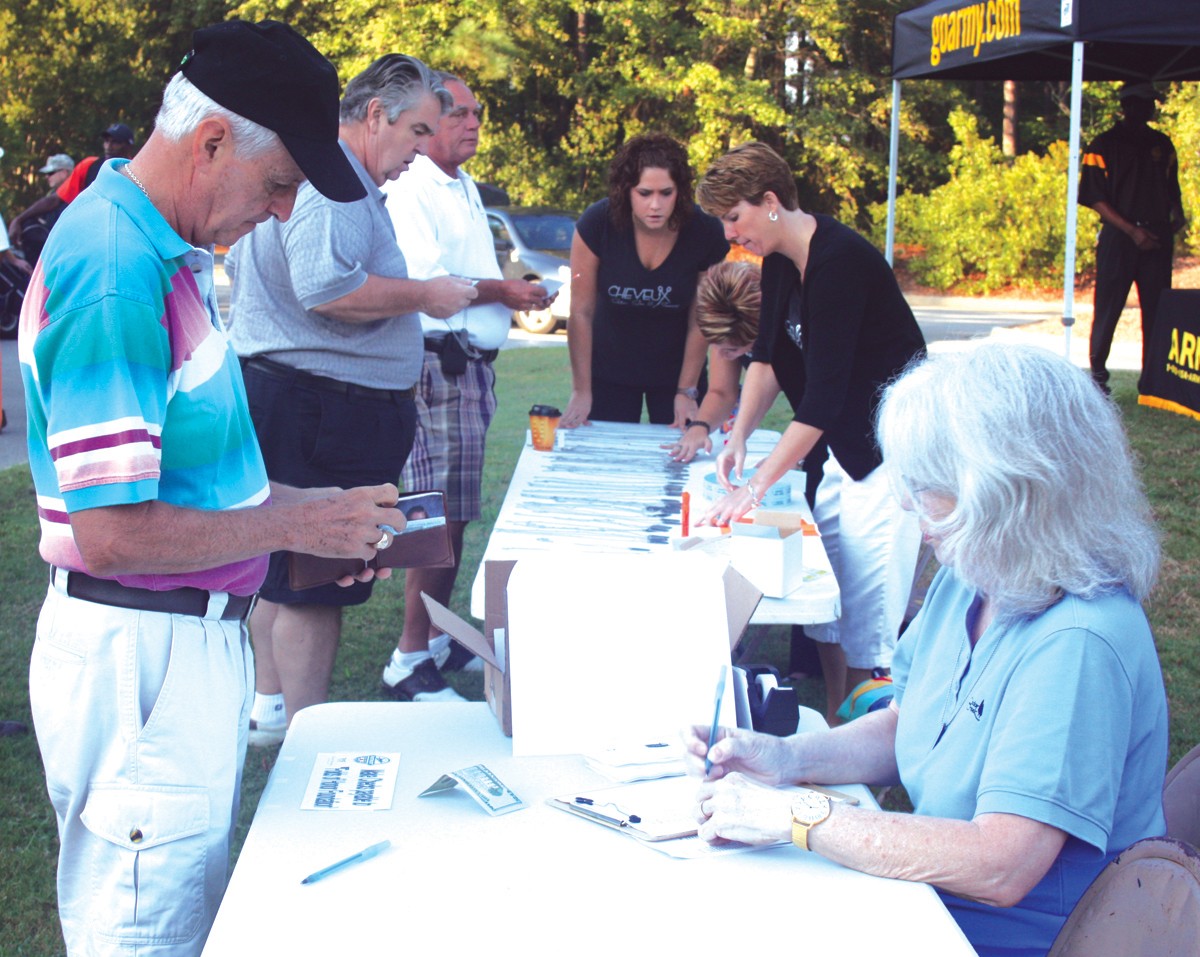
x: 1029, y: 724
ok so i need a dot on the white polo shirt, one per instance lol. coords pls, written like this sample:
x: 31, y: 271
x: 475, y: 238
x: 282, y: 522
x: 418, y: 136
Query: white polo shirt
x: 442, y: 229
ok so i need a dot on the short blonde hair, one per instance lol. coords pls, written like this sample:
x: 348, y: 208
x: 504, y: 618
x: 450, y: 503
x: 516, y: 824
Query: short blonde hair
x: 727, y: 303
x: 746, y: 172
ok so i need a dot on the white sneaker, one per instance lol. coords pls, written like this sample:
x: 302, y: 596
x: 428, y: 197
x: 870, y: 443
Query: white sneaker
x: 266, y: 735
x: 422, y: 683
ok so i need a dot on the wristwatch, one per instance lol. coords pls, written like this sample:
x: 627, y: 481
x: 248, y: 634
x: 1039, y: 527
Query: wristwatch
x: 693, y: 393
x: 808, y: 810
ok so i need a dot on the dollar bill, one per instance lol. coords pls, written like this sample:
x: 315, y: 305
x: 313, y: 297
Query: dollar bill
x: 492, y: 794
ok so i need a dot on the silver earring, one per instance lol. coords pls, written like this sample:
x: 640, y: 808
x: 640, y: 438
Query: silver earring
x: 773, y: 216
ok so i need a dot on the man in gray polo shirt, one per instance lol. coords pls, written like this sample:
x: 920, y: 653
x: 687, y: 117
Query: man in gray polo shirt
x: 324, y: 317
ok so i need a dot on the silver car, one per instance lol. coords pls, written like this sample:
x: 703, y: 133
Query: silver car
x: 534, y: 243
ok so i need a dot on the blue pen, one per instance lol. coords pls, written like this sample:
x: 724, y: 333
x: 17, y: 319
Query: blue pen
x: 364, y: 855
x: 712, y: 734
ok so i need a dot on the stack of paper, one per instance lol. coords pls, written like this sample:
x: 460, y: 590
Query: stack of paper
x: 638, y: 762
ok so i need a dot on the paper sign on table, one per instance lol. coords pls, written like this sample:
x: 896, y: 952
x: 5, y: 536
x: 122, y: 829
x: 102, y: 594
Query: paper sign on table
x: 492, y: 794
x: 352, y: 781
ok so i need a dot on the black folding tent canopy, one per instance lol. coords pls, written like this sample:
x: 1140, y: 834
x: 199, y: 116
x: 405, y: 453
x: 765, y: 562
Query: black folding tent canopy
x: 1076, y: 40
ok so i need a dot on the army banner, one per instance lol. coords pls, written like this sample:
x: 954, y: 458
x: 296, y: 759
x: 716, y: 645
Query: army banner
x: 1171, y: 379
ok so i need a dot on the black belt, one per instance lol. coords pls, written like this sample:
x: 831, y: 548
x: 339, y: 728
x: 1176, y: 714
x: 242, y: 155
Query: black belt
x: 322, y: 383
x: 482, y: 355
x: 175, y: 601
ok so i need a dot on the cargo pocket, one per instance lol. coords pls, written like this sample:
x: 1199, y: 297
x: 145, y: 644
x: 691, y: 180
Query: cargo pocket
x: 148, y: 871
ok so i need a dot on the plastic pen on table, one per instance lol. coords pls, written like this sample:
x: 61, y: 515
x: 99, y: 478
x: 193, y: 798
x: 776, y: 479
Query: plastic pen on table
x: 712, y: 733
x: 363, y: 855
x: 685, y: 512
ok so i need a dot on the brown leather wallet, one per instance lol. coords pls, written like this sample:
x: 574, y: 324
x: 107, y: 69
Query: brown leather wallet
x: 422, y: 542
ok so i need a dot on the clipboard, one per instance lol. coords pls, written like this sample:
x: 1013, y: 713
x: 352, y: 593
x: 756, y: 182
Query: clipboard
x: 423, y: 541
x: 659, y: 810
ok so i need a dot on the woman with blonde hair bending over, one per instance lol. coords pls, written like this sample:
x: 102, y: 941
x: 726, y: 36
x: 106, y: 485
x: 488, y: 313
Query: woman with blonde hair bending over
x: 727, y: 303
x: 1029, y: 723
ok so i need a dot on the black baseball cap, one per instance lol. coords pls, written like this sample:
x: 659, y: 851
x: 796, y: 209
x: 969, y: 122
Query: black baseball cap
x: 1137, y: 91
x: 119, y: 132
x: 272, y: 76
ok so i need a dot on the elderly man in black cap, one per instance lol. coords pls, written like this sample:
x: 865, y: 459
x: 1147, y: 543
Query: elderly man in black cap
x: 156, y: 510
x: 1130, y: 176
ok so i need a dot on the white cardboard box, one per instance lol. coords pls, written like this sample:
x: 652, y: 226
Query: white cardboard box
x: 608, y: 648
x: 770, y: 551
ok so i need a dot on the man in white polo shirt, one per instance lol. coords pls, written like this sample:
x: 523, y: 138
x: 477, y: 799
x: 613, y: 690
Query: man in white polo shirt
x: 442, y: 229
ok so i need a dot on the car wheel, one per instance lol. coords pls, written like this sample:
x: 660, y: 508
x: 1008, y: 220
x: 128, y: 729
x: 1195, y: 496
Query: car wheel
x: 540, y: 321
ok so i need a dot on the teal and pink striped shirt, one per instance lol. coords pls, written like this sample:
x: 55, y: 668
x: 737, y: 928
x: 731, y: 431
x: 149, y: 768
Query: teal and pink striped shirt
x: 133, y: 392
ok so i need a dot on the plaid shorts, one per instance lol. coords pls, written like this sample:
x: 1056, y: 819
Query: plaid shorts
x: 453, y: 415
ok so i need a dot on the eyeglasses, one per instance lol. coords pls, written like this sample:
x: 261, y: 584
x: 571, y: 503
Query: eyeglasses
x: 460, y: 113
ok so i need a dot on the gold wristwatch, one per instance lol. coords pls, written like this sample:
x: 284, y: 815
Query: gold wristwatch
x: 808, y: 810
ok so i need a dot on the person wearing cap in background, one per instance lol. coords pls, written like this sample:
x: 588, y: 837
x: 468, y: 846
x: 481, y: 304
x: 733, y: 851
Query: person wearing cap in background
x: 155, y: 507
x: 58, y: 167
x: 443, y: 230
x: 29, y: 228
x: 1130, y: 176
x: 118, y: 144
x: 118, y: 141
x: 325, y: 319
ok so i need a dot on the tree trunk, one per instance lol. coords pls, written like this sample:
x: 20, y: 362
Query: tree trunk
x: 1009, y: 140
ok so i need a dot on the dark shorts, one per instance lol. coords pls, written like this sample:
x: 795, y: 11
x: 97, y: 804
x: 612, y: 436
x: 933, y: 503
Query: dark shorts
x: 313, y: 437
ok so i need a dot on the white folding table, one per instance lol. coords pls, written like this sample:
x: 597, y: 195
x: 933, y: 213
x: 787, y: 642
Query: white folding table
x: 532, y: 882
x: 611, y: 487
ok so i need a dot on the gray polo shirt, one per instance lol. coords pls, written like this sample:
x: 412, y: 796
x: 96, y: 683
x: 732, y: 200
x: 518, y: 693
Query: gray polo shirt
x: 281, y: 271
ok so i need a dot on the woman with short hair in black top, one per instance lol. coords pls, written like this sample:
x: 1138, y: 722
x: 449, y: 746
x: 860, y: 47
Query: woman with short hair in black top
x: 834, y: 329
x: 636, y: 258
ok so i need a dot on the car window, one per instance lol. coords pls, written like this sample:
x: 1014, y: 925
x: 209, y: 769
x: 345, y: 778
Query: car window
x: 500, y: 234
x: 550, y: 232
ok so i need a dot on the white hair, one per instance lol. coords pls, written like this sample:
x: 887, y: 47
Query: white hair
x: 1034, y: 456
x: 184, y: 108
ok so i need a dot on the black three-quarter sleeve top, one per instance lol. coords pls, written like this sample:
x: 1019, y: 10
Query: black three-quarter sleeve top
x: 836, y: 338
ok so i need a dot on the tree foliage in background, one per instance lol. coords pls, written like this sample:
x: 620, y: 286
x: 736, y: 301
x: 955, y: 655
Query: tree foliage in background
x: 996, y: 222
x: 69, y: 68
x: 999, y: 222
x: 565, y: 82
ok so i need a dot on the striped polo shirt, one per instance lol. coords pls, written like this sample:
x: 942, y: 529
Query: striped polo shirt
x: 133, y: 392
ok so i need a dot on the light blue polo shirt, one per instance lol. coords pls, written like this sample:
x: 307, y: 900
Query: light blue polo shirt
x: 1060, y: 718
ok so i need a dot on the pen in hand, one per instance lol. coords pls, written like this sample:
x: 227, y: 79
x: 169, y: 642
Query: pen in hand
x: 712, y: 734
x: 363, y: 855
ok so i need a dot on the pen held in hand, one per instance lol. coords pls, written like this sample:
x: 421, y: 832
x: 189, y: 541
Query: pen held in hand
x: 363, y: 855
x: 712, y: 734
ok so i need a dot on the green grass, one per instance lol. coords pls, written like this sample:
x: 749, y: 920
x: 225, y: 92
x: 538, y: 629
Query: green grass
x: 1169, y: 446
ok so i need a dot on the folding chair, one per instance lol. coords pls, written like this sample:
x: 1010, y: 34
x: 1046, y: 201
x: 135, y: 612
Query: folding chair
x: 1181, y: 800
x: 1145, y: 903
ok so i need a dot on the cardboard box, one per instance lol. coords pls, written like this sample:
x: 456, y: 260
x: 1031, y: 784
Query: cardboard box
x: 597, y: 661
x: 770, y: 551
